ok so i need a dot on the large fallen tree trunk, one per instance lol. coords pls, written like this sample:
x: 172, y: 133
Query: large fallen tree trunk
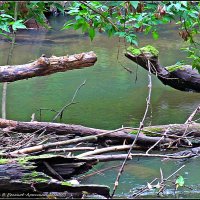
x: 149, y: 135
x: 36, y: 174
x: 181, y: 77
x: 114, y: 136
x: 46, y: 66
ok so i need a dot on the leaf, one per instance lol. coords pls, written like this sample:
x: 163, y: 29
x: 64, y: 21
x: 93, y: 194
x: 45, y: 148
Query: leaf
x: 155, y: 35
x: 148, y: 28
x: 5, y: 35
x: 133, y: 41
x: 18, y: 25
x: 77, y: 26
x: 180, y: 181
x: 121, y: 34
x: 134, y: 4
x: 67, y: 25
x: 177, y: 6
x: 59, y: 7
x: 136, y: 25
x: 91, y: 33
x: 5, y: 27
x: 184, y: 3
x: 6, y: 16
x: 85, y: 26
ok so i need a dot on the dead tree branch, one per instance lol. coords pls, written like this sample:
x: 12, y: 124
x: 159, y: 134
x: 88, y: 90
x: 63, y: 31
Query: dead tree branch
x: 46, y: 66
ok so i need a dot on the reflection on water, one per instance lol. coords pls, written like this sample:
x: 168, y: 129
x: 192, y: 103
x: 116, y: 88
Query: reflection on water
x: 111, y: 97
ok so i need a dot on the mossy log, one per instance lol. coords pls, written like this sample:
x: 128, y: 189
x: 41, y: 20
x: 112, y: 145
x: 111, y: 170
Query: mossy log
x: 45, y: 66
x: 114, y: 137
x: 31, y: 175
x: 181, y: 77
x: 149, y: 135
x: 193, y: 129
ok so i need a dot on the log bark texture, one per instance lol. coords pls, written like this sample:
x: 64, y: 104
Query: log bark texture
x: 30, y: 175
x: 184, y: 79
x: 116, y: 137
x: 46, y: 66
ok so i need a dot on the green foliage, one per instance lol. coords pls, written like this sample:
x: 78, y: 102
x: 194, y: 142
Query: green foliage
x: 6, y: 22
x: 66, y: 183
x: 175, y: 67
x: 35, y: 177
x: 124, y: 19
x: 127, y: 18
x: 3, y: 161
x: 196, y: 64
x: 150, y: 49
x: 193, y: 53
x: 179, y: 182
x: 134, y: 132
x: 26, y: 10
x: 134, y: 51
x: 18, y: 25
x: 36, y: 10
x: 146, y: 49
x: 92, y: 33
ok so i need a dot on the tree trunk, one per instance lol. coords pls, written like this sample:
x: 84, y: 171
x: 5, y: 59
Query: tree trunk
x: 46, y: 66
x: 148, y: 136
x: 185, y: 78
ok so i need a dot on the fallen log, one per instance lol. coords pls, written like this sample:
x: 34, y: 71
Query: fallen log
x: 115, y: 136
x: 193, y: 129
x: 45, y: 66
x: 30, y: 175
x: 181, y: 77
x: 148, y: 137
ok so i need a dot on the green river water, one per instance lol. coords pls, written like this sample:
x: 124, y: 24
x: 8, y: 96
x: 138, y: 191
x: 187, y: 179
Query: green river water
x: 110, y: 99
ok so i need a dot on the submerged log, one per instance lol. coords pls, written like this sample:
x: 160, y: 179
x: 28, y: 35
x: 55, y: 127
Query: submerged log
x: 46, y: 66
x: 30, y: 175
x: 181, y: 77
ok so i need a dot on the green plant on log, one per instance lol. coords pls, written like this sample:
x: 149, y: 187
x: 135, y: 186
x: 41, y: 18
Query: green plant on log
x: 147, y: 49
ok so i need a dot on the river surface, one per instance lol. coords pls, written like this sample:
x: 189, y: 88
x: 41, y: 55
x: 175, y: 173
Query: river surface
x: 111, y: 98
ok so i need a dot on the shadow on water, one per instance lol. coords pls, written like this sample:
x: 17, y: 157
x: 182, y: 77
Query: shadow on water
x: 111, y: 97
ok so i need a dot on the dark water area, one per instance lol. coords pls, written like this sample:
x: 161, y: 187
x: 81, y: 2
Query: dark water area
x: 111, y: 98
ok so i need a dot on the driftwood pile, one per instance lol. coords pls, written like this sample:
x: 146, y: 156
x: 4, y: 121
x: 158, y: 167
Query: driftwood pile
x: 42, y: 157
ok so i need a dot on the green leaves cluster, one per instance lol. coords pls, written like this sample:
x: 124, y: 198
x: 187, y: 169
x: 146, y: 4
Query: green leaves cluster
x: 25, y: 11
x: 127, y: 19
x: 194, y: 55
x: 7, y: 22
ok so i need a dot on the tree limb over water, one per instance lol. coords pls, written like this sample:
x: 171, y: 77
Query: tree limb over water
x: 180, y: 77
x: 46, y: 66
